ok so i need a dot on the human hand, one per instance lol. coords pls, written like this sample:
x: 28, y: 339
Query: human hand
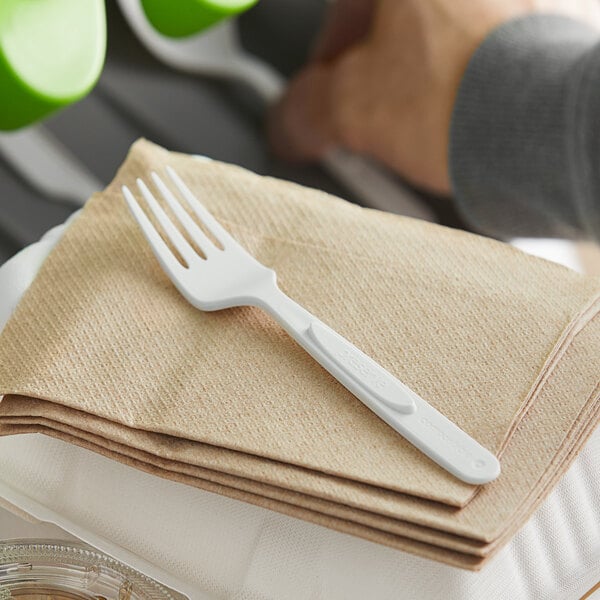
x: 384, y: 76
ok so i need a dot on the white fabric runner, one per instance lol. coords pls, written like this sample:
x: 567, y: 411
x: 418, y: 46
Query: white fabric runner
x: 228, y: 549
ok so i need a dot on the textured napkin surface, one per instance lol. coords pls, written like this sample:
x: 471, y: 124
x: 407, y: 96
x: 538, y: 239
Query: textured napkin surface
x: 479, y: 329
x: 494, y: 514
x: 551, y: 428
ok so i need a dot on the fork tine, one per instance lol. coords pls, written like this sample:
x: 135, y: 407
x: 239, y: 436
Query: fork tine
x: 162, y: 252
x: 174, y: 235
x: 203, y: 214
x: 198, y: 236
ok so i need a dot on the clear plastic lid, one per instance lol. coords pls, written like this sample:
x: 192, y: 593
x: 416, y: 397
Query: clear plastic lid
x: 55, y: 570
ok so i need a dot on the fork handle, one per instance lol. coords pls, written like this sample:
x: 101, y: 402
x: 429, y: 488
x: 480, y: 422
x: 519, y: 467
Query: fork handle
x: 391, y: 400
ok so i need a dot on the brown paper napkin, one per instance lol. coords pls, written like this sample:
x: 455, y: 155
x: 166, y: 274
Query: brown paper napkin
x: 513, y: 495
x: 226, y: 401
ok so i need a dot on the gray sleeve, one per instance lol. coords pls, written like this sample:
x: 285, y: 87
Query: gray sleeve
x: 525, y: 131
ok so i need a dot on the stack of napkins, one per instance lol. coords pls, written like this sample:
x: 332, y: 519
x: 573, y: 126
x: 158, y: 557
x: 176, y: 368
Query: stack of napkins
x: 104, y: 352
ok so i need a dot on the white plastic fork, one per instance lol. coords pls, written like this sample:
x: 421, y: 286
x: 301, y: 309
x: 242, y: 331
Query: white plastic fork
x: 229, y: 276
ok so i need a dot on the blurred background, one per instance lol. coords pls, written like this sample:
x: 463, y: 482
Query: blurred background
x: 139, y: 96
